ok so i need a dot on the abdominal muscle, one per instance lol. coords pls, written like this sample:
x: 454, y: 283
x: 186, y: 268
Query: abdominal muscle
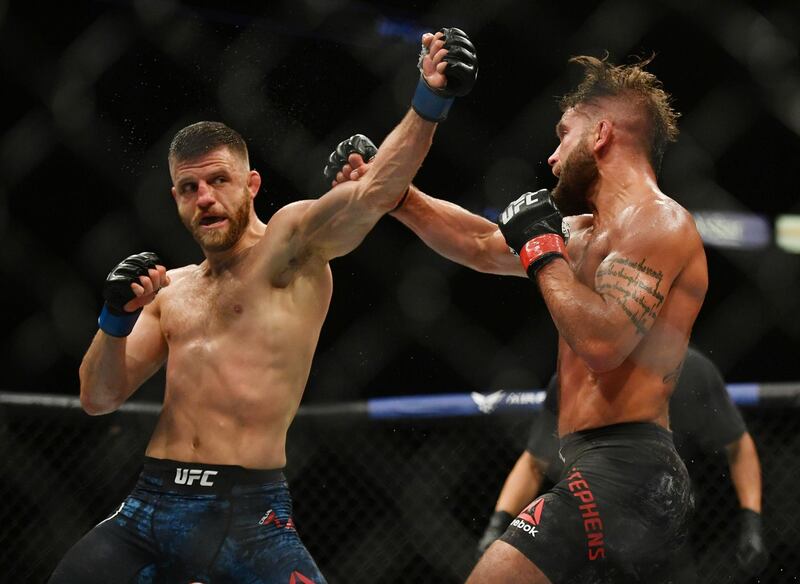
x: 629, y: 393
x: 230, y: 411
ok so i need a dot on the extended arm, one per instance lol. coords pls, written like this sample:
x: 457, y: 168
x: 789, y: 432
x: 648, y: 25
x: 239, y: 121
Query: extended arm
x: 336, y: 223
x: 449, y: 230
x: 457, y: 234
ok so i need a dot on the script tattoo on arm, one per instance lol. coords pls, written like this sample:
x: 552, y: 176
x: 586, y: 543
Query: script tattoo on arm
x: 634, y: 286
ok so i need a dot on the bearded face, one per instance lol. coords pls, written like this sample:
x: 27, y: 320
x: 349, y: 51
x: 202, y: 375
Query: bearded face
x: 578, y: 173
x: 215, y: 237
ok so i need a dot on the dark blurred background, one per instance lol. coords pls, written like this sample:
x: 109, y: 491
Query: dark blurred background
x: 95, y: 90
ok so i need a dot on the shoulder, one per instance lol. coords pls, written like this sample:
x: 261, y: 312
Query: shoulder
x: 579, y: 222
x: 667, y: 216
x: 282, y: 246
x: 659, y: 222
x: 287, y: 220
x: 289, y: 214
x: 182, y: 272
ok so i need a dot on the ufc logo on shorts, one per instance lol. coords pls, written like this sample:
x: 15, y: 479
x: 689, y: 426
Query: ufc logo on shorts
x: 513, y: 208
x: 186, y: 476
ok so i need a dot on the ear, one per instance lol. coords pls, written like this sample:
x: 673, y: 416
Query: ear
x: 602, y: 135
x: 253, y: 183
x: 174, y: 193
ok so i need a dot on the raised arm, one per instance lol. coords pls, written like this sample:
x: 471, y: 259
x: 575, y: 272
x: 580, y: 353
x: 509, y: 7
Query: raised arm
x: 129, y: 346
x: 337, y: 222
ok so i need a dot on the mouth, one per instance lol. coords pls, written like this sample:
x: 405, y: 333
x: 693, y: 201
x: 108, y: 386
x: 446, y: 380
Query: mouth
x: 211, y: 221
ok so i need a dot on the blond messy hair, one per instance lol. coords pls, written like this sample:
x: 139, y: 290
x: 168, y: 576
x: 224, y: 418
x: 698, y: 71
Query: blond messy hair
x: 636, y: 86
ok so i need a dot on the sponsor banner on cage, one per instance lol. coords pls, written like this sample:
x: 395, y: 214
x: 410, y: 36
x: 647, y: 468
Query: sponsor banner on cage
x: 457, y: 404
x: 730, y: 229
x: 502, y: 400
x: 787, y: 233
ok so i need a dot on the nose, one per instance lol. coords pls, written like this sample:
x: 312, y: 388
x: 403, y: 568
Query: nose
x: 553, y: 157
x: 205, y: 195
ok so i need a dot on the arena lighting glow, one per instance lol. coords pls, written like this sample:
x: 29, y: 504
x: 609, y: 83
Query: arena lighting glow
x: 787, y: 233
x: 730, y: 229
x: 407, y: 30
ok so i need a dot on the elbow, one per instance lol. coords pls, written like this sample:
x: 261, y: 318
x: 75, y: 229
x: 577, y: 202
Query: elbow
x: 602, y: 357
x: 94, y: 405
x: 380, y: 194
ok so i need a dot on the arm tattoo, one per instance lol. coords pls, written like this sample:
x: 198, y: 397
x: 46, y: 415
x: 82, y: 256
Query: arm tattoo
x: 673, y: 375
x: 634, y: 286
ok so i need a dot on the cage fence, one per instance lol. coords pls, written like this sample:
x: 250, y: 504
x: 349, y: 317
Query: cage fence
x: 377, y: 497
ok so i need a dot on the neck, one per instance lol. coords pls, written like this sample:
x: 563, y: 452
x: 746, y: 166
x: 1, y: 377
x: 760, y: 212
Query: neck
x: 622, y: 181
x: 221, y: 261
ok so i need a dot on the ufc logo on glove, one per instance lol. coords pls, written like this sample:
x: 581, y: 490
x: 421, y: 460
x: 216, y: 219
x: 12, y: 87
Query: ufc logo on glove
x: 513, y: 208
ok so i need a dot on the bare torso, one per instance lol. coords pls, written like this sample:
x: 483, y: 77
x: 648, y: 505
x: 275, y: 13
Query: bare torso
x: 240, y: 348
x: 640, y: 387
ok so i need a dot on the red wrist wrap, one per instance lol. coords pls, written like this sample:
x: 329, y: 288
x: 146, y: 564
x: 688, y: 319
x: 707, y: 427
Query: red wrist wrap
x: 540, y: 246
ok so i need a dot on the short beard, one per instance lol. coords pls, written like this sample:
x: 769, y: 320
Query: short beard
x: 218, y: 240
x: 577, y: 175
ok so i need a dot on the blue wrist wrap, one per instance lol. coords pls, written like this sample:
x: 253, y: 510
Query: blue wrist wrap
x: 430, y: 105
x: 117, y: 325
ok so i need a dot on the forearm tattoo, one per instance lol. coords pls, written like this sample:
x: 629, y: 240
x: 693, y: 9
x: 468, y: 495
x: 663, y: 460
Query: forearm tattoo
x: 673, y: 375
x: 634, y: 286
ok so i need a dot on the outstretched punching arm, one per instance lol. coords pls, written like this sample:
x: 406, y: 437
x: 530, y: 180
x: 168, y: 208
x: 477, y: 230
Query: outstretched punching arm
x: 447, y: 228
x: 337, y: 222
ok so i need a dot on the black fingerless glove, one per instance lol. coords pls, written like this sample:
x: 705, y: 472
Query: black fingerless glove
x: 535, y: 230
x: 114, y: 319
x: 462, y: 71
x: 358, y: 144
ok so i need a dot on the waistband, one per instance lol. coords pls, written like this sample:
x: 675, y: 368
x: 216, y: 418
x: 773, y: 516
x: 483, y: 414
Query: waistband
x: 200, y: 478
x: 572, y: 445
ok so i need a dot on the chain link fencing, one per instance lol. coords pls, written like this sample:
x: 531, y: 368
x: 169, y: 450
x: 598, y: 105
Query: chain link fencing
x: 389, y: 500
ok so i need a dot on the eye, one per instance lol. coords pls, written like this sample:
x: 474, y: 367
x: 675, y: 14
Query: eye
x: 219, y: 180
x: 188, y: 188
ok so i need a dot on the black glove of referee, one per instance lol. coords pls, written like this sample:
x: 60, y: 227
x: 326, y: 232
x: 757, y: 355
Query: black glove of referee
x: 751, y: 554
x: 497, y: 525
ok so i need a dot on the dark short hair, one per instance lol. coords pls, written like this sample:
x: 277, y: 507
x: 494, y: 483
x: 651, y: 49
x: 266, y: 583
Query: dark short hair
x: 203, y: 137
x: 637, y: 86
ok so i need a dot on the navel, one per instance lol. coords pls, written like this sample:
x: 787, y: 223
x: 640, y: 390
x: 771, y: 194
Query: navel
x: 237, y: 308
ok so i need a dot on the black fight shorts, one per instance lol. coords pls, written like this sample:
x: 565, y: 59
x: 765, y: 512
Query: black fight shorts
x: 618, y: 513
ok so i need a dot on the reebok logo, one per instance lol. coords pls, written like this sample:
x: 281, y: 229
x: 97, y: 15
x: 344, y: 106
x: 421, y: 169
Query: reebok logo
x: 530, y: 518
x: 187, y: 476
x: 513, y: 208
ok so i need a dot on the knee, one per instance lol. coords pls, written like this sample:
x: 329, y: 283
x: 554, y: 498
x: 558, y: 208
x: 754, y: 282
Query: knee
x: 505, y: 563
